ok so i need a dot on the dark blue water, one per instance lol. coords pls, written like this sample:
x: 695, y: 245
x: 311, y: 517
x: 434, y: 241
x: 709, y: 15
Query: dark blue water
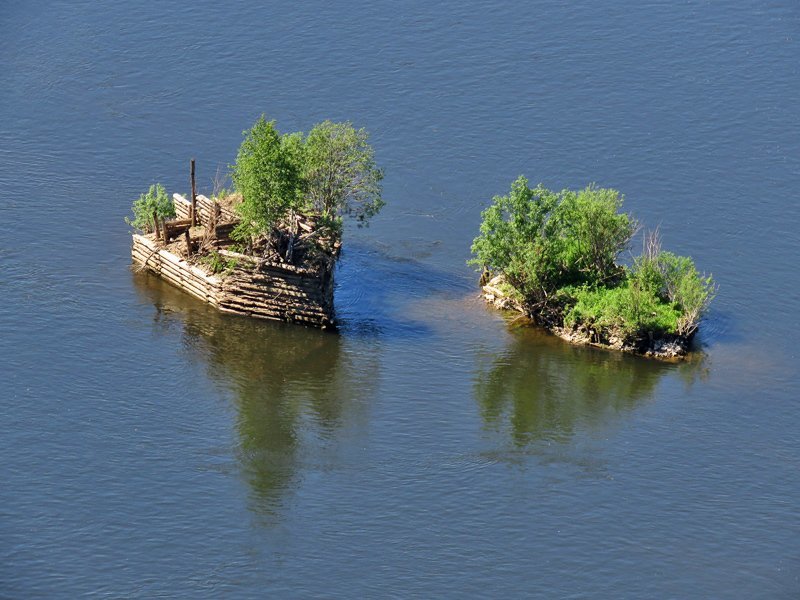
x: 154, y: 448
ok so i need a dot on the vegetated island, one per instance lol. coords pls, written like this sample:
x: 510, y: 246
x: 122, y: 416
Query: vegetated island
x: 268, y: 247
x: 553, y: 256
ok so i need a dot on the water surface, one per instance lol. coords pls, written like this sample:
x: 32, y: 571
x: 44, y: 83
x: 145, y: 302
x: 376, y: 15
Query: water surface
x: 155, y: 448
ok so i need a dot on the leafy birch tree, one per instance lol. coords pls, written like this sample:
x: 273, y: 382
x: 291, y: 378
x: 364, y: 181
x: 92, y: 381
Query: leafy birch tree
x: 341, y: 178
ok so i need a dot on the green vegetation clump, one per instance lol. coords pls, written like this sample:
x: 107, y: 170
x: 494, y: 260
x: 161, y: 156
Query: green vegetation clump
x: 154, y: 201
x: 330, y: 173
x: 219, y: 265
x: 625, y: 309
x: 542, y: 240
x: 559, y: 252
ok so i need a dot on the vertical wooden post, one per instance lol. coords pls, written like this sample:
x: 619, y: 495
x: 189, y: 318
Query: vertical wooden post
x: 188, y: 239
x: 194, y: 197
x: 155, y: 225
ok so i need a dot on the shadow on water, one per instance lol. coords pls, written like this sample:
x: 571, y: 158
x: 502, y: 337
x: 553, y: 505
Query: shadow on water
x: 543, y: 390
x: 294, y: 388
x: 374, y: 290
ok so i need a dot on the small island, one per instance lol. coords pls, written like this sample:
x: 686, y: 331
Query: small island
x: 553, y: 256
x: 268, y: 247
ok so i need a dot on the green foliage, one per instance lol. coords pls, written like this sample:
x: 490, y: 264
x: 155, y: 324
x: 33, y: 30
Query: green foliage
x: 675, y: 279
x: 560, y: 249
x: 218, y: 264
x: 589, y: 233
x: 267, y: 174
x: 331, y: 172
x: 221, y: 194
x: 340, y: 172
x: 544, y: 240
x: 627, y: 310
x: 155, y: 200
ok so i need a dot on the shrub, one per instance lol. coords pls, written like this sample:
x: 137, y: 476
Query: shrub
x: 155, y: 200
x: 674, y: 279
x: 688, y: 289
x: 590, y: 233
x: 512, y: 239
x: 627, y: 310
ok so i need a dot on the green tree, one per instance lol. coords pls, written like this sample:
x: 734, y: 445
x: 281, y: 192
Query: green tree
x: 513, y: 240
x: 268, y: 175
x: 542, y: 240
x: 590, y: 233
x: 340, y: 174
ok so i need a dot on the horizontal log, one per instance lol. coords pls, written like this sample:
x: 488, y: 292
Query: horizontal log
x: 168, y: 270
x: 283, y: 315
x: 177, y: 262
x: 273, y: 317
x: 273, y: 295
x: 274, y: 292
x: 187, y: 276
x: 312, y: 309
x: 282, y: 295
x: 262, y: 264
x: 276, y: 315
x: 182, y: 264
x: 311, y: 287
x: 187, y: 286
x: 308, y: 283
x: 173, y: 229
x: 205, y: 208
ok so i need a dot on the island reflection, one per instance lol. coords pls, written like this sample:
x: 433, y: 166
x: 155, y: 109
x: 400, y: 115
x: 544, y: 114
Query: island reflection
x: 542, y: 389
x: 293, y: 387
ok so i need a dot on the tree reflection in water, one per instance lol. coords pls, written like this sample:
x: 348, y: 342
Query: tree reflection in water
x: 293, y: 388
x: 543, y: 389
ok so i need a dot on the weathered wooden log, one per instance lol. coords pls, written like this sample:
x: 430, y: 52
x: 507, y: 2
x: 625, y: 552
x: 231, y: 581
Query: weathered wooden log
x: 205, y: 209
x: 270, y: 279
x: 155, y: 224
x: 276, y: 302
x: 193, y: 215
x: 265, y: 265
x: 282, y: 315
x: 276, y: 292
x: 312, y: 295
x: 173, y: 229
x: 275, y: 310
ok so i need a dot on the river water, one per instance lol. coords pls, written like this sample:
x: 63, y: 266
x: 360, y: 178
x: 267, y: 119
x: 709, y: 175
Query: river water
x: 154, y: 448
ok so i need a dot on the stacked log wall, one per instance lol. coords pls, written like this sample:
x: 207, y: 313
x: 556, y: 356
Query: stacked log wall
x: 254, y: 288
x: 205, y: 208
